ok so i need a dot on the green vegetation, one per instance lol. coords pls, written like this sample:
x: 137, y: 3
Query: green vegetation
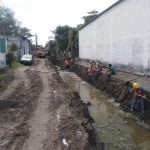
x: 7, y: 16
x: 66, y: 38
x: 10, y: 25
x: 16, y: 65
x: 92, y: 14
x: 2, y: 77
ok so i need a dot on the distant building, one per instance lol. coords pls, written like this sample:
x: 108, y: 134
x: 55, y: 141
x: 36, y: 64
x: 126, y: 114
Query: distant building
x: 119, y: 35
x: 23, y: 44
x: 7, y: 39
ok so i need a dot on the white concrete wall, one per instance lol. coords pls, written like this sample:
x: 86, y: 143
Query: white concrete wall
x: 120, y: 36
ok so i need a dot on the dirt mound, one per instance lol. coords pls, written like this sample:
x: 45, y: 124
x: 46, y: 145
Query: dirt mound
x: 75, y: 122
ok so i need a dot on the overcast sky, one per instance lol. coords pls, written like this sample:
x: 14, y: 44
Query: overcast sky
x: 42, y: 16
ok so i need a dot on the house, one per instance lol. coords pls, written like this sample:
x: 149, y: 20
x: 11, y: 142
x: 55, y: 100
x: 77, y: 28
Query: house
x: 7, y: 39
x: 23, y: 45
x: 119, y: 35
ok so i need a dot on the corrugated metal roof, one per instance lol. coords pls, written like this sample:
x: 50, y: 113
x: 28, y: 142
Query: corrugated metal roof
x: 113, y: 5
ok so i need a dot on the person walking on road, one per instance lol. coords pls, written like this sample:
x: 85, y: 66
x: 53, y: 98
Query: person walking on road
x: 138, y: 94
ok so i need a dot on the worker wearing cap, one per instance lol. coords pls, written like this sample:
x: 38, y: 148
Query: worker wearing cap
x: 138, y: 93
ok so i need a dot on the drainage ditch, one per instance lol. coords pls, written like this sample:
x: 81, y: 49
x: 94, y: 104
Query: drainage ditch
x: 117, y: 129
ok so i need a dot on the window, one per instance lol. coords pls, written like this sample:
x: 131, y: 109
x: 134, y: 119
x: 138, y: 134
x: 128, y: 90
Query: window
x: 2, y: 46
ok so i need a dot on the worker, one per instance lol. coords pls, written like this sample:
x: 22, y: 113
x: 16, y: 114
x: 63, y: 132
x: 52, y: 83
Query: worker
x: 98, y: 70
x: 138, y: 93
x: 66, y: 63
x: 90, y: 72
x: 112, y: 70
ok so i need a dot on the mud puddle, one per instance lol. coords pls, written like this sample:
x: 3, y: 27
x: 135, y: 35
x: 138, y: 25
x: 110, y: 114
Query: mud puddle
x: 118, y: 130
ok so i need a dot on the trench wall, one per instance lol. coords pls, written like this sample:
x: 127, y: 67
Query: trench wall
x: 116, y: 88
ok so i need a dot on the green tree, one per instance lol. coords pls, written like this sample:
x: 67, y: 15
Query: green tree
x: 7, y: 16
x: 13, y: 47
x: 92, y: 14
x: 25, y: 32
x: 61, y: 37
x: 66, y: 39
x: 11, y: 26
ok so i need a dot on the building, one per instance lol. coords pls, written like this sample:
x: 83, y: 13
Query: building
x: 23, y: 47
x: 119, y: 35
x: 22, y: 43
x: 7, y: 39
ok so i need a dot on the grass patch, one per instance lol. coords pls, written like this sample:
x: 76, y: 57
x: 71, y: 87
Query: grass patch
x: 16, y: 65
x: 2, y: 77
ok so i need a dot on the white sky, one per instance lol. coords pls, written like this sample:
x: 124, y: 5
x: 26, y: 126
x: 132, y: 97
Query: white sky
x: 42, y: 16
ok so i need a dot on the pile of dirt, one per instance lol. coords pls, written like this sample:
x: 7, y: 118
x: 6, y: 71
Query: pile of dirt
x: 16, y: 110
x: 75, y: 125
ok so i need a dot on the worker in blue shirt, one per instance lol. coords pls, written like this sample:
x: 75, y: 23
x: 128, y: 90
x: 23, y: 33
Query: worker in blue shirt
x: 112, y: 70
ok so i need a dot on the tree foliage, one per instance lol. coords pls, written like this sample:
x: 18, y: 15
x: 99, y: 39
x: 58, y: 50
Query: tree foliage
x: 66, y: 38
x: 7, y: 16
x: 11, y: 26
x: 92, y: 14
x: 25, y: 32
x: 61, y: 37
x: 13, y: 47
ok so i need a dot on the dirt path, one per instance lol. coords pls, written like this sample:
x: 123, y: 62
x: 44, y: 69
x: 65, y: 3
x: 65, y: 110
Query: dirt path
x: 16, y: 105
x: 38, y: 123
x: 20, y: 76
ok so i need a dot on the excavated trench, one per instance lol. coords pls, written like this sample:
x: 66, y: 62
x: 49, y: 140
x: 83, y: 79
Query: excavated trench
x: 116, y: 129
x: 131, y: 130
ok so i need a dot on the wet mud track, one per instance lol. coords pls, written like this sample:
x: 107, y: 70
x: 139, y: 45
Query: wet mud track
x: 16, y: 105
x: 42, y: 113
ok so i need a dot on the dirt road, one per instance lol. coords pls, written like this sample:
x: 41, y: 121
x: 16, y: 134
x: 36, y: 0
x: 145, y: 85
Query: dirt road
x: 39, y: 112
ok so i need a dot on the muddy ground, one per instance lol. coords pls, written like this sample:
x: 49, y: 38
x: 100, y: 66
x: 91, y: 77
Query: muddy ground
x: 118, y: 89
x: 8, y: 77
x: 114, y: 87
x: 38, y: 111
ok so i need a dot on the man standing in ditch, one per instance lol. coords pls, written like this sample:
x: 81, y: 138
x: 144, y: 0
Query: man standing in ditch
x: 138, y: 93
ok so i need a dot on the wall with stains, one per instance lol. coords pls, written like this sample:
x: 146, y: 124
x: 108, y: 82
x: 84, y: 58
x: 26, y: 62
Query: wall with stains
x: 120, y: 36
